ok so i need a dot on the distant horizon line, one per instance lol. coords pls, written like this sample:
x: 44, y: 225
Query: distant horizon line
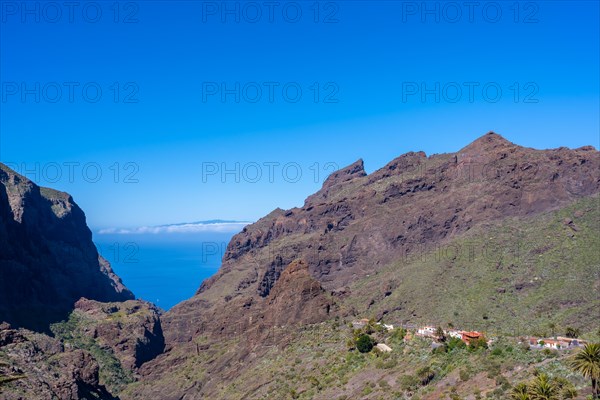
x: 213, y: 225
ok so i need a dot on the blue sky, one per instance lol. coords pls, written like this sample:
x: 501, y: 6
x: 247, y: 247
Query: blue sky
x: 152, y: 146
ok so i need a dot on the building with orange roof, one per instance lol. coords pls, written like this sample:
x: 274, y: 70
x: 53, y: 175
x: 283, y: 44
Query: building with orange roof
x: 469, y: 337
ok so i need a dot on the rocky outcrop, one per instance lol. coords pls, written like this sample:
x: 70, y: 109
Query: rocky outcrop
x: 337, y: 181
x: 47, y: 258
x: 44, y: 368
x: 237, y: 338
x: 131, y: 330
x: 93, y: 355
x: 297, y: 298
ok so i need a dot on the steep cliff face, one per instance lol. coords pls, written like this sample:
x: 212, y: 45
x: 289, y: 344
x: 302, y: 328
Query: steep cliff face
x: 47, y: 258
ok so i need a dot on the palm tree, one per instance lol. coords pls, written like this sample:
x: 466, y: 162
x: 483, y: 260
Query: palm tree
x: 552, y: 327
x: 566, y: 388
x: 573, y: 333
x: 543, y: 388
x: 370, y: 327
x: 587, y: 363
x: 520, y: 392
x: 440, y: 334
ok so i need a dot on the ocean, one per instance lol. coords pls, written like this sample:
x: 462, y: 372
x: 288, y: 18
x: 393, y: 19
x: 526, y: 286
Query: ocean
x: 164, y: 268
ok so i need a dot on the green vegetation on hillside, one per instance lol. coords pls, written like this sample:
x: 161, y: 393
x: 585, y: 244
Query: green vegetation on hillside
x: 112, y: 373
x: 317, y: 364
x: 522, y: 276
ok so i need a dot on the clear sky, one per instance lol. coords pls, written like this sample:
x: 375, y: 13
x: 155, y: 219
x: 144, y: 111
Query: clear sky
x: 138, y: 108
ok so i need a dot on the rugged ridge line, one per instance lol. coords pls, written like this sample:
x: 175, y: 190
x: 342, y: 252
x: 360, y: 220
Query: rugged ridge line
x: 357, y: 222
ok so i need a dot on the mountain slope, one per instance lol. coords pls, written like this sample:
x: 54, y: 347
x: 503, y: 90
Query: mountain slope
x: 47, y: 258
x: 555, y: 281
x: 510, y: 277
x: 358, y: 223
x: 362, y: 238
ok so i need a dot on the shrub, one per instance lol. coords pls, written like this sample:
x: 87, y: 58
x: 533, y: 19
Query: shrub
x: 502, y: 382
x: 464, y: 375
x: 524, y: 347
x: 398, y: 334
x: 493, y: 369
x: 365, y: 343
x: 367, y: 390
x: 409, y: 383
x: 425, y: 375
x: 383, y: 384
x: 497, y: 352
x: 550, y: 353
x: 480, y: 343
x: 315, y: 382
x: 455, y: 343
x: 351, y: 344
x: 386, y: 363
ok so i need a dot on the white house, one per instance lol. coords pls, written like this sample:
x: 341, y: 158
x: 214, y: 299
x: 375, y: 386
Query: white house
x: 551, y: 344
x: 426, y: 331
x: 384, y: 348
x: 360, y: 323
x: 454, y: 333
x: 555, y: 344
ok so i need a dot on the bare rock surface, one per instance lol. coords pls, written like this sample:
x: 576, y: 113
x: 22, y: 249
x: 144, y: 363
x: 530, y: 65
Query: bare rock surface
x: 45, y: 369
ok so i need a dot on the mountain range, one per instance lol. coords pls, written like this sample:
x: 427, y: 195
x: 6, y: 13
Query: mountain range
x: 495, y: 237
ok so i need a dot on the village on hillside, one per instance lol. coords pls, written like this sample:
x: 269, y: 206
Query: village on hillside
x: 469, y: 338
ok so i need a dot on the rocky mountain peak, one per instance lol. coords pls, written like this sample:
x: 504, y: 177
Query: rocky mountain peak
x: 354, y: 170
x: 337, y: 180
x: 487, y: 144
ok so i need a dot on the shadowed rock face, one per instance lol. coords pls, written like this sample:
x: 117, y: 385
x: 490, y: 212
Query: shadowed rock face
x: 48, y: 369
x: 47, y: 258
